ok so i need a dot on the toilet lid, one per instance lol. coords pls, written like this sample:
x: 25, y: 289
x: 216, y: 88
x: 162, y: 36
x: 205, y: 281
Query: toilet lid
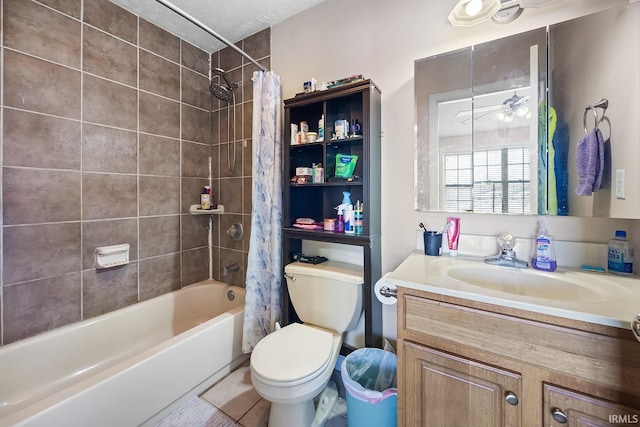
x: 295, y: 351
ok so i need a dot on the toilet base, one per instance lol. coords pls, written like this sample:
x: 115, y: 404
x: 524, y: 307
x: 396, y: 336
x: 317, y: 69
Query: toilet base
x: 292, y: 415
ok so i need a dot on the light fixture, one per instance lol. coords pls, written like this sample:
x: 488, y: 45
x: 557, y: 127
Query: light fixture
x: 522, y: 110
x: 514, y: 106
x: 536, y: 3
x: 473, y: 7
x: 470, y: 12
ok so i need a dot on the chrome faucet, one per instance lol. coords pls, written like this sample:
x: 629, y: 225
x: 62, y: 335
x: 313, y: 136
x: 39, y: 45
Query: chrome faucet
x: 230, y: 268
x: 507, y: 256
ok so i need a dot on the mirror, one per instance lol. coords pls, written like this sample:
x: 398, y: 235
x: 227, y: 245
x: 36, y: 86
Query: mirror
x: 594, y: 57
x: 477, y: 133
x: 489, y: 141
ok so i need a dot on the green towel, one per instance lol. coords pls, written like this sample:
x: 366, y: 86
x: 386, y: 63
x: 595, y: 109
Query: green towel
x: 552, y: 192
x: 547, y: 192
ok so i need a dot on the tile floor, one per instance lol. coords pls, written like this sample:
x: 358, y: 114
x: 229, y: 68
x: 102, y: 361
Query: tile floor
x: 233, y: 402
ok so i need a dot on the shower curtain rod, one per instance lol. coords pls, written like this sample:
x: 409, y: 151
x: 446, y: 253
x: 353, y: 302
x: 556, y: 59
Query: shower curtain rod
x: 194, y: 21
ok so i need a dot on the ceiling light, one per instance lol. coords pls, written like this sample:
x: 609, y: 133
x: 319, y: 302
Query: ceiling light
x: 522, y: 110
x: 473, y: 7
x: 535, y: 3
x: 508, y: 13
x: 464, y: 13
x: 470, y: 12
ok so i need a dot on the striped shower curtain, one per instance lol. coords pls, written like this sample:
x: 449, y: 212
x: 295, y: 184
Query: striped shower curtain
x: 263, y: 300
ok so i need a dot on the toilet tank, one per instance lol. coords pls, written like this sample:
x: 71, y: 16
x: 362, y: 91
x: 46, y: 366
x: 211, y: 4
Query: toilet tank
x: 328, y: 295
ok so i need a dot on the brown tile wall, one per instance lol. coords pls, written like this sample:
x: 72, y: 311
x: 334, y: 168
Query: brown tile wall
x: 233, y: 189
x: 106, y: 134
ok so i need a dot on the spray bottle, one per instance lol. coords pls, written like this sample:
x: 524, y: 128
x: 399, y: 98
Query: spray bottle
x: 340, y: 221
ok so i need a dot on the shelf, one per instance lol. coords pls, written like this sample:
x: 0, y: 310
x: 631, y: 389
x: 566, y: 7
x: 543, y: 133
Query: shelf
x: 197, y: 210
x: 326, y: 236
x: 327, y: 142
x: 344, y: 140
x: 328, y: 184
x: 359, y: 101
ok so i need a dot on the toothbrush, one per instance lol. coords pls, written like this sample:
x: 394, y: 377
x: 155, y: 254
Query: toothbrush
x: 444, y: 227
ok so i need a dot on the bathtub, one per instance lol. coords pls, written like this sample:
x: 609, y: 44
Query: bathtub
x: 125, y: 368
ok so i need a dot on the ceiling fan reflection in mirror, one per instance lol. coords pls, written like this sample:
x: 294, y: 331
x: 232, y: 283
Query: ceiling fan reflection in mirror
x: 515, y: 106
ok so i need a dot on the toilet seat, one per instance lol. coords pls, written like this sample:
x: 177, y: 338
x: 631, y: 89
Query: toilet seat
x: 295, y: 352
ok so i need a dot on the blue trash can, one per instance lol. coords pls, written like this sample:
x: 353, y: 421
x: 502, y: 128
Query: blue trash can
x: 369, y: 377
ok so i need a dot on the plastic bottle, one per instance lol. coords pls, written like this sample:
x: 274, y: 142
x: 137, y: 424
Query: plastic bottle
x: 346, y: 198
x: 349, y: 223
x: 620, y: 254
x: 544, y: 254
x: 348, y: 212
x: 358, y: 218
x: 205, y: 198
x: 321, y: 129
x: 340, y: 221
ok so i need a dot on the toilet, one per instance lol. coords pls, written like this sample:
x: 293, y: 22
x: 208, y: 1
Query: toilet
x: 291, y: 366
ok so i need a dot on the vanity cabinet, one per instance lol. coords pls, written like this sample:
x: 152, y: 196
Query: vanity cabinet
x: 359, y: 105
x: 566, y: 407
x: 448, y: 390
x: 468, y: 363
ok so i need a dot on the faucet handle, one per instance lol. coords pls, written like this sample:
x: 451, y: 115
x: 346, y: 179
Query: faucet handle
x: 507, y: 242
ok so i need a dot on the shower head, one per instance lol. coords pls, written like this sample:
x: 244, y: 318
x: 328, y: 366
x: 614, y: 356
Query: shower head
x: 218, y: 71
x: 222, y: 73
x: 221, y: 92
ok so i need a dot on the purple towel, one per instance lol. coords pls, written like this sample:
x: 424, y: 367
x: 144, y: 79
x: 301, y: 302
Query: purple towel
x: 590, y: 162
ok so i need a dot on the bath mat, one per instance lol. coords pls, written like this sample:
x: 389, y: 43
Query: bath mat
x: 196, y: 413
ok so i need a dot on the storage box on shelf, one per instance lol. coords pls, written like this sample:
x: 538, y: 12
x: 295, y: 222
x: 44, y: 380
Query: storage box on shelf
x: 350, y: 116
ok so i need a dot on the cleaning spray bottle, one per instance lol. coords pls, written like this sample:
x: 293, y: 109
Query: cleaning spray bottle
x: 340, y: 221
x: 544, y: 254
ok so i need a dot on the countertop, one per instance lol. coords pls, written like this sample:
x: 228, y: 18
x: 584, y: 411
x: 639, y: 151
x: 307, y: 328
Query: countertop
x: 615, y: 302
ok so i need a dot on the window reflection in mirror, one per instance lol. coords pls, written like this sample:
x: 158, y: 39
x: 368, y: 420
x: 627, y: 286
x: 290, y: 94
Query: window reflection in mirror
x: 477, y: 131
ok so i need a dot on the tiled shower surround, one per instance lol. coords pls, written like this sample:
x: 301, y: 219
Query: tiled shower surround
x: 107, y: 129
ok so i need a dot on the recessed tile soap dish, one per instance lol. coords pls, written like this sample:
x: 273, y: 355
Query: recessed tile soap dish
x: 112, y: 256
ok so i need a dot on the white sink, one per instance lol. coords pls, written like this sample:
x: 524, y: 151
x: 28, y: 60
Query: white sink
x: 600, y: 298
x: 560, y: 285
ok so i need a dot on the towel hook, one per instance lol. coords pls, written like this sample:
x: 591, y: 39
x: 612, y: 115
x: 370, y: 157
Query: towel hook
x: 604, y: 104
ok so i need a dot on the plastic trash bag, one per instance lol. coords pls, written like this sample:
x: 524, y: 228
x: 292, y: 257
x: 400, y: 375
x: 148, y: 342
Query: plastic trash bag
x: 369, y: 374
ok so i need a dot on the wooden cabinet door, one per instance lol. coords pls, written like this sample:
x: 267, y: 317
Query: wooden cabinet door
x: 564, y: 407
x: 441, y: 389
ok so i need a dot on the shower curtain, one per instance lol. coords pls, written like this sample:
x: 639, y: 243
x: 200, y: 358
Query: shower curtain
x: 263, y: 300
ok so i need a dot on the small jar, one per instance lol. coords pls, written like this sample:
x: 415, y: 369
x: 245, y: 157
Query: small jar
x: 329, y: 224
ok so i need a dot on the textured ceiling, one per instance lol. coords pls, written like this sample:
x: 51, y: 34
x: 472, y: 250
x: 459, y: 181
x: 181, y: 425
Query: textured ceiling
x: 232, y: 19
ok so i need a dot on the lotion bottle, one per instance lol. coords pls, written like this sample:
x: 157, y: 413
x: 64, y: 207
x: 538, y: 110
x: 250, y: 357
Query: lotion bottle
x: 544, y: 254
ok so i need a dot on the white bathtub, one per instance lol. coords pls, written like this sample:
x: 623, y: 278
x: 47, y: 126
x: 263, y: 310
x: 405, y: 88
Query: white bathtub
x: 124, y: 368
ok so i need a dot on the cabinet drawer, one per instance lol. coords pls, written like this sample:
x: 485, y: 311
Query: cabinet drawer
x: 563, y: 407
x: 598, y: 359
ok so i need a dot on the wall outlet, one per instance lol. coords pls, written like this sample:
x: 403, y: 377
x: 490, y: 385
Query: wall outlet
x: 620, y: 183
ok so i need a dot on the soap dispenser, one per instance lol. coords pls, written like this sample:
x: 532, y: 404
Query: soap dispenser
x: 544, y: 254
